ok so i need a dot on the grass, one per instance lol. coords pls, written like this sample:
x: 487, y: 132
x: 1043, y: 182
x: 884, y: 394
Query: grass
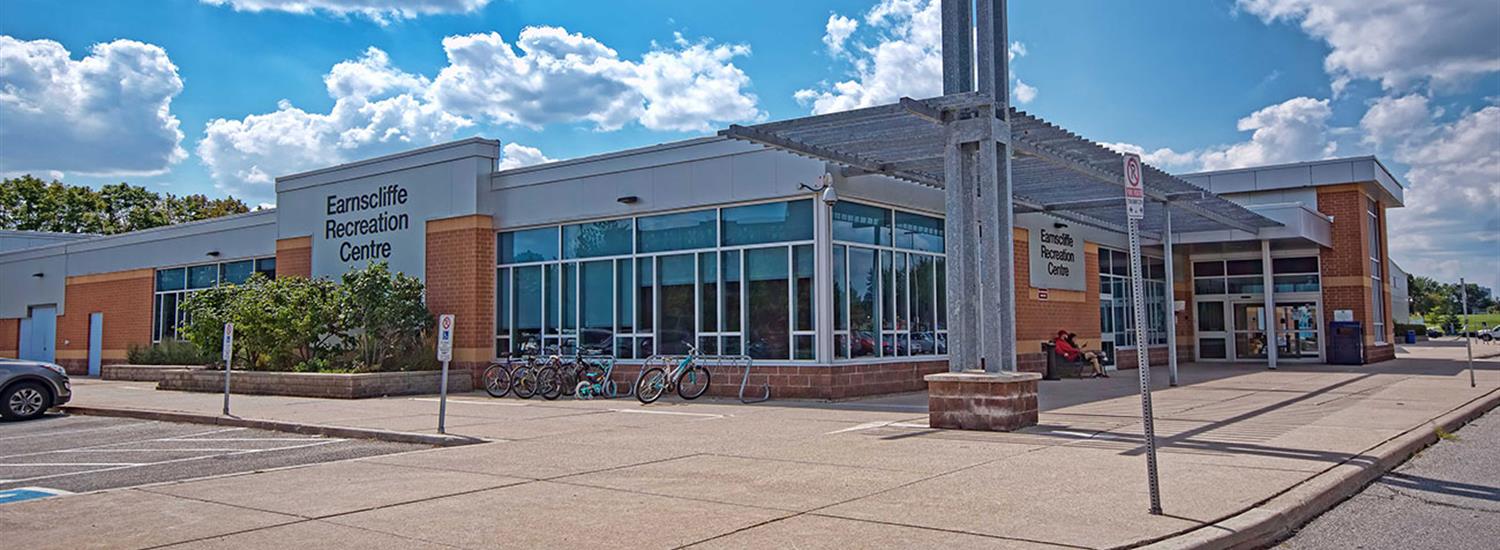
x: 1476, y: 320
x: 1446, y: 435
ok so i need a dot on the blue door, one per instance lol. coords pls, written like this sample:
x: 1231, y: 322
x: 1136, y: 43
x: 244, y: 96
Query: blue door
x: 39, y: 334
x: 96, y: 342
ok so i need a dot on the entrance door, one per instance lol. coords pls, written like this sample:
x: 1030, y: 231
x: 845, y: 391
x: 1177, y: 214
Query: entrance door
x: 96, y: 342
x: 1297, y: 330
x: 1249, y: 325
x: 1213, y: 331
x: 39, y: 334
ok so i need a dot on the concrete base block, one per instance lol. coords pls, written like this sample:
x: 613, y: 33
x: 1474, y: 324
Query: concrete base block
x: 977, y: 400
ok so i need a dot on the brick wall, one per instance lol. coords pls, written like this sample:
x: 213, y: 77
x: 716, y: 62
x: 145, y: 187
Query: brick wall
x: 461, y: 281
x: 294, y: 257
x: 1038, y: 320
x: 125, y: 299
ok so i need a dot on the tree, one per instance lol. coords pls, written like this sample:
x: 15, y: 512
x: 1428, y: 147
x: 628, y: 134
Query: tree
x: 384, y: 312
x: 28, y: 203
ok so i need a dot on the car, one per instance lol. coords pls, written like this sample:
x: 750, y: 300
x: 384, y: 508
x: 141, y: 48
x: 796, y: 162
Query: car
x: 29, y: 388
x: 1490, y: 334
x: 1434, y: 333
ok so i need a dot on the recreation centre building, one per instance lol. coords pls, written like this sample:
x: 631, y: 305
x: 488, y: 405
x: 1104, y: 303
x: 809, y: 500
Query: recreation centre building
x: 738, y: 248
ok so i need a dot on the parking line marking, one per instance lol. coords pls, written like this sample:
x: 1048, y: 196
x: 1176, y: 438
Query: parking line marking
x: 81, y: 464
x: 238, y: 439
x: 132, y: 442
x: 472, y: 402
x: 192, y: 450
x: 675, y: 413
x: 81, y: 430
x: 860, y: 427
x: 188, y: 459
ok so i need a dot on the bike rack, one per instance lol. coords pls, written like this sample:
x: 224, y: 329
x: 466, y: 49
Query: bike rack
x: 721, y: 361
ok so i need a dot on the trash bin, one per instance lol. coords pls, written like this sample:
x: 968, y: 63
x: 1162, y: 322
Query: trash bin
x: 1411, y: 336
x: 1346, y: 343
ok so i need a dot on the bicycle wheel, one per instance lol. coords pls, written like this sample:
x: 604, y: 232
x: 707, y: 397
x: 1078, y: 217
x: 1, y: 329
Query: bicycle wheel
x: 497, y: 380
x: 583, y: 390
x: 651, y: 384
x: 568, y: 377
x: 694, y: 382
x: 523, y: 381
x: 548, y: 383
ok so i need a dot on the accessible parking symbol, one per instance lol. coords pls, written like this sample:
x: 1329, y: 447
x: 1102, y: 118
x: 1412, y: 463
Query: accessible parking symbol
x: 9, y: 496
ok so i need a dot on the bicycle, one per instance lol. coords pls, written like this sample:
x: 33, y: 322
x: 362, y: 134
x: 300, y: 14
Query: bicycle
x: 594, y: 380
x: 689, y: 378
x: 497, y: 379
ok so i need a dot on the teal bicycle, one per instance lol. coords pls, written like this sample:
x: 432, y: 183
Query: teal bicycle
x: 594, y: 378
x: 689, y: 378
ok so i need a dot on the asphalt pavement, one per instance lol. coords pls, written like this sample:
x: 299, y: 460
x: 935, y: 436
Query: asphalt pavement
x: 60, y: 454
x: 1447, y: 497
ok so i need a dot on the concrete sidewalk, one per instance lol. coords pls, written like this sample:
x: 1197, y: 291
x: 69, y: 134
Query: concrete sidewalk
x: 1238, y: 444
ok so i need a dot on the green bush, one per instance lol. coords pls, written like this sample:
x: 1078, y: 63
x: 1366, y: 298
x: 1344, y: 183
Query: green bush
x: 168, y: 352
x: 375, y: 320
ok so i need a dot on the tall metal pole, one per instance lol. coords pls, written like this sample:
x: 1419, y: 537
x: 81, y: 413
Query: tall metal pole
x: 1268, y: 316
x: 1468, y: 343
x: 1142, y: 357
x: 1171, y: 297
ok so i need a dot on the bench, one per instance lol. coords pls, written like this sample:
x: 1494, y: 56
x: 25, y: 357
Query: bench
x: 1058, y: 367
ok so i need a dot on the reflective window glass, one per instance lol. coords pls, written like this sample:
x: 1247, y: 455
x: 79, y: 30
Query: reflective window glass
x: 171, y: 279
x: 267, y: 267
x: 918, y: 232
x: 766, y: 273
x: 624, y: 294
x: 708, y: 287
x: 860, y: 223
x: 1243, y: 267
x: 1208, y: 269
x: 768, y: 223
x: 840, y: 289
x: 677, y: 232
x: 864, y: 301
x: 675, y: 276
x: 527, y: 314
x: 236, y: 272
x: 203, y: 276
x: 731, y: 295
x: 1294, y: 265
x: 596, y: 298
x: 802, y: 271
x: 532, y: 245
x: 594, y: 239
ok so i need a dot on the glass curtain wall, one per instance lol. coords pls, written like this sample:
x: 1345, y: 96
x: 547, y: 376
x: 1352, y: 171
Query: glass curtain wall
x: 1116, y: 322
x: 731, y: 281
x: 888, y: 283
x: 173, y: 285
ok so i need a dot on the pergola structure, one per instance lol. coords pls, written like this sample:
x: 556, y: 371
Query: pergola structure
x: 992, y: 161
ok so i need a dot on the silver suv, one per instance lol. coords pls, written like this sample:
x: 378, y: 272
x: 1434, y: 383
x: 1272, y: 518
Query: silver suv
x: 29, y: 388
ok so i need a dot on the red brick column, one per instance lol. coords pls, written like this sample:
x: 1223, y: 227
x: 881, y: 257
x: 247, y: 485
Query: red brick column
x: 294, y: 257
x: 461, y: 280
x: 10, y: 337
x: 1345, y: 268
x: 125, y: 299
x: 973, y: 400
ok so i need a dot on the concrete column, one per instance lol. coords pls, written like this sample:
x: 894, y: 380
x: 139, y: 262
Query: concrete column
x: 1171, y: 296
x: 958, y: 46
x: 962, y: 249
x: 1270, y: 304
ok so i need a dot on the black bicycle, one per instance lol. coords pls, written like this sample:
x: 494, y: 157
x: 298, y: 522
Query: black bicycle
x: 497, y: 379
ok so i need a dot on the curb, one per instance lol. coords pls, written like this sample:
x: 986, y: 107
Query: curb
x: 1276, y: 519
x: 438, y: 440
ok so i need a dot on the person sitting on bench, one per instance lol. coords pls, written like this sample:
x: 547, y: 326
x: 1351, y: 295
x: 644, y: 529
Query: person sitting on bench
x: 1069, y: 350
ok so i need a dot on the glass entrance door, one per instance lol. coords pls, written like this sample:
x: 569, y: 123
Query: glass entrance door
x: 1249, y: 331
x: 1213, y: 330
x: 1297, y: 330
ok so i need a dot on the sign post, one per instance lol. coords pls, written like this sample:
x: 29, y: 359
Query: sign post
x: 444, y: 354
x: 1468, y: 344
x: 228, y: 358
x: 1135, y: 210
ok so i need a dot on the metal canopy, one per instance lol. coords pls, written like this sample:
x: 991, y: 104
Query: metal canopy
x: 1053, y: 171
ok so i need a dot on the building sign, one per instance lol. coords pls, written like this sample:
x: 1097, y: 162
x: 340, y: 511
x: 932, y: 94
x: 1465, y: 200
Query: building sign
x: 373, y: 220
x: 1056, y: 255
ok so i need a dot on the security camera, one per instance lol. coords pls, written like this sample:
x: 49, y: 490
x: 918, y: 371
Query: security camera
x: 829, y: 195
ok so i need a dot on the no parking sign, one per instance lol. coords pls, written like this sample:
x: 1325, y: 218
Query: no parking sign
x: 1135, y: 193
x: 445, y: 338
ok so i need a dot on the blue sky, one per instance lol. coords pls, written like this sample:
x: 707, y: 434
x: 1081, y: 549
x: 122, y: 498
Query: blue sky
x: 258, y: 88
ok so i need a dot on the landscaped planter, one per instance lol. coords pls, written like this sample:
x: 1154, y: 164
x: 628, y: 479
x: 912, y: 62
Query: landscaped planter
x: 315, y: 384
x: 141, y: 373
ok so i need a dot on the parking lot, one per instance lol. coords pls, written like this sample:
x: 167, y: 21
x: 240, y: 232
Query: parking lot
x: 62, y: 454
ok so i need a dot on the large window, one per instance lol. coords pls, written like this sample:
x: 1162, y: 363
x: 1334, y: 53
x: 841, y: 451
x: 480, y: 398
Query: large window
x: 888, y: 283
x: 173, y: 285
x: 1377, y: 274
x: 1221, y: 277
x: 1116, y: 320
x: 734, y: 280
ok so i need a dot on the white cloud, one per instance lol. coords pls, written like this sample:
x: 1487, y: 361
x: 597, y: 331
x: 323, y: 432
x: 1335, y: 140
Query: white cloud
x: 109, y: 113
x: 563, y: 77
x: 377, y: 109
x: 379, y: 11
x: 1396, y: 42
x: 1450, y: 225
x: 1291, y: 131
x: 902, y: 56
x: 515, y: 155
x: 837, y: 31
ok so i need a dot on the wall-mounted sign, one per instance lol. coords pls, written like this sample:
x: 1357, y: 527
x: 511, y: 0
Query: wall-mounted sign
x: 1056, y: 255
x: 1343, y: 315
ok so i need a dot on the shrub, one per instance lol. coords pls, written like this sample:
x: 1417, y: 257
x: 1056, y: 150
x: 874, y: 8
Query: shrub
x: 168, y: 352
x: 375, y: 320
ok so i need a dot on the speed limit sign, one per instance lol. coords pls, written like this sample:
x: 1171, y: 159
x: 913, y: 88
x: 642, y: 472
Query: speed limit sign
x: 1135, y: 193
